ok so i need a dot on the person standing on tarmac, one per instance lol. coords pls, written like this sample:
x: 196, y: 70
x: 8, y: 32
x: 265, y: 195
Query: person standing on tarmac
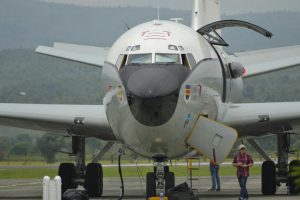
x: 243, y: 161
x: 214, y: 172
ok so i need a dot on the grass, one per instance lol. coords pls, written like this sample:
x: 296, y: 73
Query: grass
x: 40, y: 172
x: 23, y: 163
x: 28, y: 173
x: 42, y: 163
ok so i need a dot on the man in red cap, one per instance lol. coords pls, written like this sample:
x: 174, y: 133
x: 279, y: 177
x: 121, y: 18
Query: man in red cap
x: 243, y: 161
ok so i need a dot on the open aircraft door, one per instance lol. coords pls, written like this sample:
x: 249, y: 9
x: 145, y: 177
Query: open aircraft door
x: 212, y: 139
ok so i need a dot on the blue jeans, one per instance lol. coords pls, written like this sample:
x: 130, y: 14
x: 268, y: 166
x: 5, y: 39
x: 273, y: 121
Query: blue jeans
x: 243, y: 182
x: 214, y: 172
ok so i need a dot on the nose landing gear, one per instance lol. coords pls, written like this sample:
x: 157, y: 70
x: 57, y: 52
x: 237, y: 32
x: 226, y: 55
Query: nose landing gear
x: 159, y: 181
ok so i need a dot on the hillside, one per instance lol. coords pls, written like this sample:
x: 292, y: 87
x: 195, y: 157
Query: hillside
x: 27, y: 77
x: 32, y: 78
x: 26, y: 24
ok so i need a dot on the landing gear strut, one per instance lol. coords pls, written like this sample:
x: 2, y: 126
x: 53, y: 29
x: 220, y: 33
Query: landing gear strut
x: 161, y: 180
x: 90, y: 176
x: 275, y: 174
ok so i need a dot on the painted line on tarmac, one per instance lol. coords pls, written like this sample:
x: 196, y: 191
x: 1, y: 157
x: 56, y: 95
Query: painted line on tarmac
x: 174, y: 164
x: 21, y: 184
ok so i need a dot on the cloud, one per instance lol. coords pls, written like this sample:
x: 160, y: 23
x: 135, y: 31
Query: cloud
x: 246, y: 6
x: 172, y: 4
x: 227, y: 6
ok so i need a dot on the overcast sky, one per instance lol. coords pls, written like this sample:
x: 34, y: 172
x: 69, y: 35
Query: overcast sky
x: 227, y: 6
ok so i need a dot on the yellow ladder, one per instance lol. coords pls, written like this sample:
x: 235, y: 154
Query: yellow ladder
x: 193, y: 164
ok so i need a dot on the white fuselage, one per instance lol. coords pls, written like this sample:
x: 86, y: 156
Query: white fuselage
x: 199, y: 94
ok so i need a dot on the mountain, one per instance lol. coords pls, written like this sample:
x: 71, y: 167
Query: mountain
x: 26, y: 24
x: 283, y: 25
x: 28, y: 77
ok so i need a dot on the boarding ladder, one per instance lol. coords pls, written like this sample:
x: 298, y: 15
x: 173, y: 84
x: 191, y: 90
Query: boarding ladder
x: 193, y: 172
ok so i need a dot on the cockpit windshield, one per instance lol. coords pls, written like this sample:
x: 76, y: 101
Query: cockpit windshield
x: 139, y: 58
x: 158, y: 58
x: 167, y: 58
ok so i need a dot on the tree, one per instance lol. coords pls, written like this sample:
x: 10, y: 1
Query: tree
x: 24, y: 138
x: 4, y: 147
x: 22, y: 149
x: 94, y: 143
x: 48, y: 145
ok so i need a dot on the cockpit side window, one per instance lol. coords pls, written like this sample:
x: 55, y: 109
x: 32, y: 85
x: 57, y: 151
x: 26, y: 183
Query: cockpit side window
x: 167, y: 58
x: 191, y: 60
x: 121, y: 61
x: 185, y: 61
x: 188, y: 60
x: 145, y: 58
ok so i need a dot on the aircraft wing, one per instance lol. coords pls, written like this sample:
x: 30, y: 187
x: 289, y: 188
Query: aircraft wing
x: 268, y: 60
x: 85, y: 54
x: 262, y: 118
x: 84, y: 120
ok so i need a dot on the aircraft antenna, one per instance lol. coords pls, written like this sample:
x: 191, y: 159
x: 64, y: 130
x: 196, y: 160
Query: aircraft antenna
x: 158, y: 13
x: 128, y: 27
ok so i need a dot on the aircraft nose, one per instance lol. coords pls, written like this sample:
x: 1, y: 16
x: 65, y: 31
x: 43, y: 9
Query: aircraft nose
x: 152, y: 80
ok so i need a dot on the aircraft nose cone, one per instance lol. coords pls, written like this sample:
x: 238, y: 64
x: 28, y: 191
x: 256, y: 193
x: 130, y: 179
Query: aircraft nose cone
x: 152, y: 82
x: 152, y: 90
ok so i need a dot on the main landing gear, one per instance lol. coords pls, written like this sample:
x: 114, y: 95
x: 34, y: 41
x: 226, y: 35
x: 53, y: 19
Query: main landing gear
x: 273, y: 175
x: 90, y: 176
x: 160, y: 180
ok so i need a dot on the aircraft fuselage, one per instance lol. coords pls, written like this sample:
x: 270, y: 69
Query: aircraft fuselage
x: 159, y: 77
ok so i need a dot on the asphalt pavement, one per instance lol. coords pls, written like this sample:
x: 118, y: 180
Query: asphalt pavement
x: 135, y: 189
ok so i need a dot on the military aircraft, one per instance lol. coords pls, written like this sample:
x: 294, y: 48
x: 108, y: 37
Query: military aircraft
x: 170, y: 89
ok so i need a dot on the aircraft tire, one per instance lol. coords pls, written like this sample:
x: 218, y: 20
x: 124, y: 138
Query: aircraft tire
x: 291, y: 179
x: 268, y: 178
x: 67, y: 173
x: 150, y: 184
x: 94, y: 180
x: 166, y: 169
x: 170, y: 181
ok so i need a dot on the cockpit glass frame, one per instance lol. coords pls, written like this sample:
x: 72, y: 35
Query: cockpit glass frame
x: 167, y: 58
x: 142, y: 58
x: 128, y: 48
x: 136, y: 48
x: 173, y: 47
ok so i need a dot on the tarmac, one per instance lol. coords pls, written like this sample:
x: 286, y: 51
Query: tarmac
x: 135, y: 189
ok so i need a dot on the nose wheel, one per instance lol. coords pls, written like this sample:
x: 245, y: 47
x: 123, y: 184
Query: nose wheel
x: 161, y: 180
x: 150, y: 184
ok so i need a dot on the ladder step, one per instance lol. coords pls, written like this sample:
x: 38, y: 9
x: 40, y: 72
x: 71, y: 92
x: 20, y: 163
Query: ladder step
x: 194, y: 158
x: 194, y: 169
x: 193, y: 179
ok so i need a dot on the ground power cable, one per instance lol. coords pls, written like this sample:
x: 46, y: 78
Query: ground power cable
x: 120, y: 174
